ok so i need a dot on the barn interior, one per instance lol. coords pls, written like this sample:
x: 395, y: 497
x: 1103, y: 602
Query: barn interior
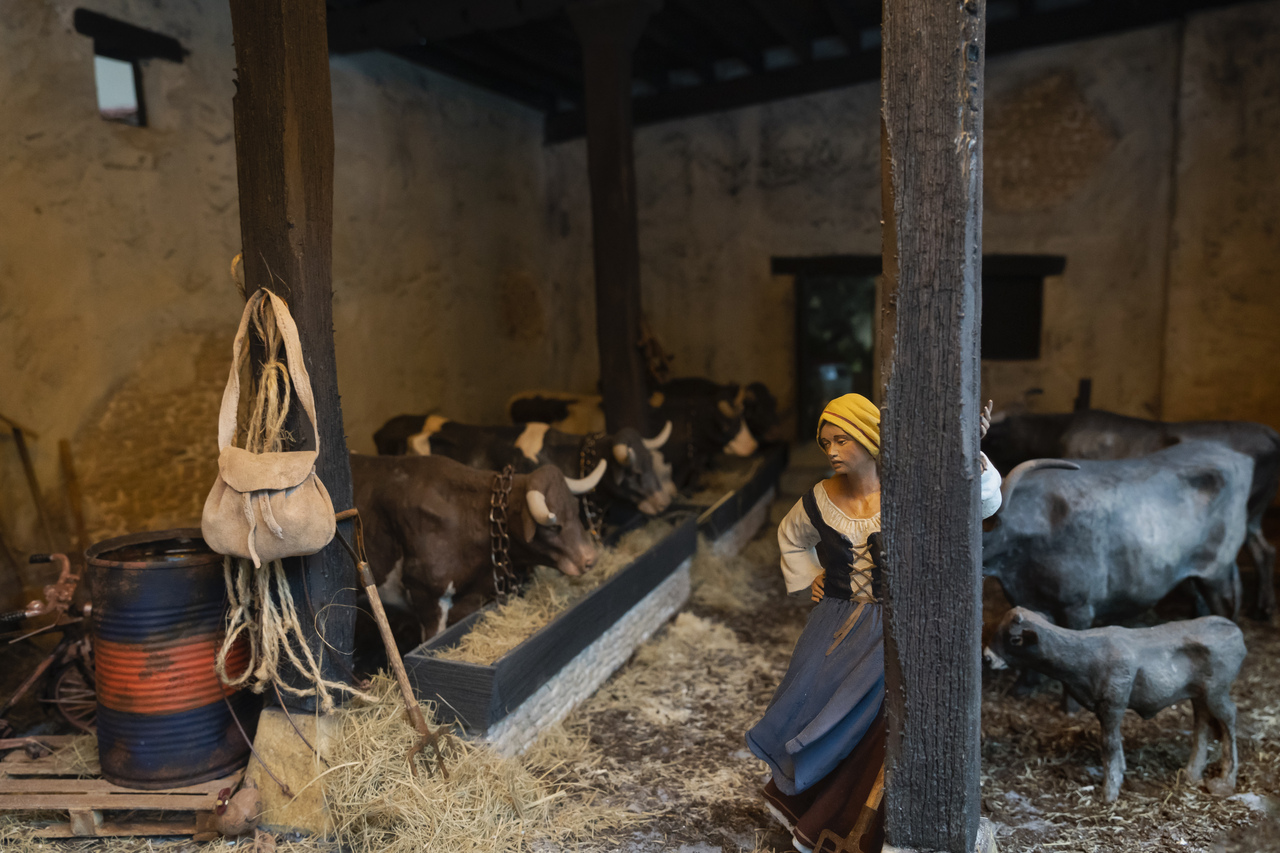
x: 1130, y: 262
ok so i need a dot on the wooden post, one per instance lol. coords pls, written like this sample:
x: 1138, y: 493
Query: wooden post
x: 609, y: 30
x: 932, y: 112
x: 284, y: 162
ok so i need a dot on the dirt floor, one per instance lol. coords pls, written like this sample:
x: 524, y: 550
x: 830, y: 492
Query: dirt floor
x: 670, y: 728
x: 664, y: 741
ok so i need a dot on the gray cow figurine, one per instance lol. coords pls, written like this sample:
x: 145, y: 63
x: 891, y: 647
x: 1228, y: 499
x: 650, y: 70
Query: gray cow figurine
x: 1111, y: 669
x: 1104, y: 541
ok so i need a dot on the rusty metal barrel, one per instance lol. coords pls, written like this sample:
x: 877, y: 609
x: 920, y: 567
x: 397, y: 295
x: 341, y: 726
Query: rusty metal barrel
x: 159, y: 613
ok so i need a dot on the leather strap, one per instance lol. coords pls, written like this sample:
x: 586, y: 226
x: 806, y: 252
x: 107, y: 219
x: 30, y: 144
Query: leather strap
x: 847, y: 626
x: 293, y: 355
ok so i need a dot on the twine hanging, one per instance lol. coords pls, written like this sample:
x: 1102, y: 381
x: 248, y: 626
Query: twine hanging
x: 262, y: 608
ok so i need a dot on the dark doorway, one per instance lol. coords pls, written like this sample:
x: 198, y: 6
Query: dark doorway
x: 835, y: 338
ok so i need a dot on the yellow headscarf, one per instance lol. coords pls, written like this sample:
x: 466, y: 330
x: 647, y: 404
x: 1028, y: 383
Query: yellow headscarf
x: 857, y: 416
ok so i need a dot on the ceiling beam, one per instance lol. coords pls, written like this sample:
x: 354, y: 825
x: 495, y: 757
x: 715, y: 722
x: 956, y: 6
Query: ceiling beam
x: 846, y: 25
x: 389, y: 24
x: 429, y: 57
x: 740, y: 47
x: 783, y: 22
x: 691, y: 55
x: 495, y: 60
x: 788, y: 82
x: 1100, y: 17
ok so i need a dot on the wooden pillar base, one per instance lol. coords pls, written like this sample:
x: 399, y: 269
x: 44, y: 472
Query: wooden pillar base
x: 985, y: 843
x: 294, y: 764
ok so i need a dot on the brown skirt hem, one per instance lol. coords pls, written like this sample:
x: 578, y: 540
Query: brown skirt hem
x: 836, y: 801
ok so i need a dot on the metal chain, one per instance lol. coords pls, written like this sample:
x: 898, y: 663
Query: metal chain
x: 588, y: 458
x: 499, y: 538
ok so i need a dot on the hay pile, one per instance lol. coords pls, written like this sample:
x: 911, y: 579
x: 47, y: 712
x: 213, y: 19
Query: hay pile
x: 547, y: 594
x: 489, y: 804
x: 730, y: 474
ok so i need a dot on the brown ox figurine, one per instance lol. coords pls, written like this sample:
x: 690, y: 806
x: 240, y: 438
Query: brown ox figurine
x: 427, y: 531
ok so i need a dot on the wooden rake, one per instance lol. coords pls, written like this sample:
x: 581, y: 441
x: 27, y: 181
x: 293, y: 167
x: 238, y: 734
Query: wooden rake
x: 414, y: 711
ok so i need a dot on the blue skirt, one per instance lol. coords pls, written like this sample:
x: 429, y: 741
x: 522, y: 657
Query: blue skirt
x: 826, y: 702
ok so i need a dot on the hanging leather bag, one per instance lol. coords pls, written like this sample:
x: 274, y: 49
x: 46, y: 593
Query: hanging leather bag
x: 266, y: 506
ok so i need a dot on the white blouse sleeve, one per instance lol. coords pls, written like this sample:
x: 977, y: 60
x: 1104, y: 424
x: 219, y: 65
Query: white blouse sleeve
x: 990, y: 489
x: 796, y: 539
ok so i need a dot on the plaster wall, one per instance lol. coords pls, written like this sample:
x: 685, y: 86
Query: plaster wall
x: 1223, y: 341
x: 1078, y: 147
x: 116, y: 307
x: 462, y: 255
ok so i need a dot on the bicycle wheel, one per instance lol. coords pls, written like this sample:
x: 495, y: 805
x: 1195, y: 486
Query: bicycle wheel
x: 71, y: 691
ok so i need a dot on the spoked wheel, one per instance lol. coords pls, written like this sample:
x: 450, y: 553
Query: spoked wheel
x: 72, y: 692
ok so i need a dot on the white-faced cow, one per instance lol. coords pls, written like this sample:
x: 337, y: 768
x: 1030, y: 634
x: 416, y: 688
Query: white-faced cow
x: 623, y: 466
x: 707, y: 418
x: 1095, y: 434
x: 1111, y: 669
x: 428, y: 532
x: 1089, y: 541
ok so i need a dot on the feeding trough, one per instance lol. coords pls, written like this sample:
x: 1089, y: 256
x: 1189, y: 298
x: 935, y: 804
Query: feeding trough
x: 733, y: 519
x: 538, y: 683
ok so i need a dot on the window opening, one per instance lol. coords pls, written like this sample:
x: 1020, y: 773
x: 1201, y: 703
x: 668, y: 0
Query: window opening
x: 119, y: 50
x: 835, y: 320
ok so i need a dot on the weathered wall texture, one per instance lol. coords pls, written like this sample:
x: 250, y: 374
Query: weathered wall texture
x: 116, y: 309
x: 718, y: 197
x: 1223, y: 344
x: 462, y: 256
x: 114, y: 245
x: 1077, y: 163
x: 1079, y: 140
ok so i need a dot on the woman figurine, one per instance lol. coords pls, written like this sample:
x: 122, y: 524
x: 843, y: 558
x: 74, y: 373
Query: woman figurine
x: 823, y: 735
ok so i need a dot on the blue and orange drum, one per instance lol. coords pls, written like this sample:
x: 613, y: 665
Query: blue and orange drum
x: 159, y: 614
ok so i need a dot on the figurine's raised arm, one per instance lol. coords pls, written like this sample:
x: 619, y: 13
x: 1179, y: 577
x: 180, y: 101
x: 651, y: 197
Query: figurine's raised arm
x: 990, y: 476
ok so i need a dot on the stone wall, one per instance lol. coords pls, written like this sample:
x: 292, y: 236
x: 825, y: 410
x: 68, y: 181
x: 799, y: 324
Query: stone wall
x: 1223, y: 338
x: 462, y: 255
x: 116, y: 307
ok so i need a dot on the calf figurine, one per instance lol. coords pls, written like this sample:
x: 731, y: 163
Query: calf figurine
x: 1110, y: 669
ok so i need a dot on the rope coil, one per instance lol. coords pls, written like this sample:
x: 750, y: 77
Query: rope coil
x: 262, y: 608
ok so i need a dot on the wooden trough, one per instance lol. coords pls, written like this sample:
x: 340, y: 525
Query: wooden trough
x: 540, y: 681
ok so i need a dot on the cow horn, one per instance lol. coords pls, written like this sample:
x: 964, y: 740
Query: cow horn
x: 1011, y: 482
x: 622, y: 453
x: 538, y: 508
x: 726, y: 409
x: 741, y: 400
x: 587, y: 483
x: 659, y: 439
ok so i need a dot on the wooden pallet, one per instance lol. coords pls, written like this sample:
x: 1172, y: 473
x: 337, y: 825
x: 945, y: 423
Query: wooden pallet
x: 28, y: 784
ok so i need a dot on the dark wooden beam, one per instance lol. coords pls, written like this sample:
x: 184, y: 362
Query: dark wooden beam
x: 931, y: 105
x: 846, y: 24
x: 532, y: 51
x: 283, y: 112
x: 399, y: 23
x: 609, y: 30
x: 740, y: 47
x: 429, y: 57
x: 1044, y: 28
x: 501, y: 65
x: 793, y: 81
x: 782, y: 19
x: 686, y: 52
